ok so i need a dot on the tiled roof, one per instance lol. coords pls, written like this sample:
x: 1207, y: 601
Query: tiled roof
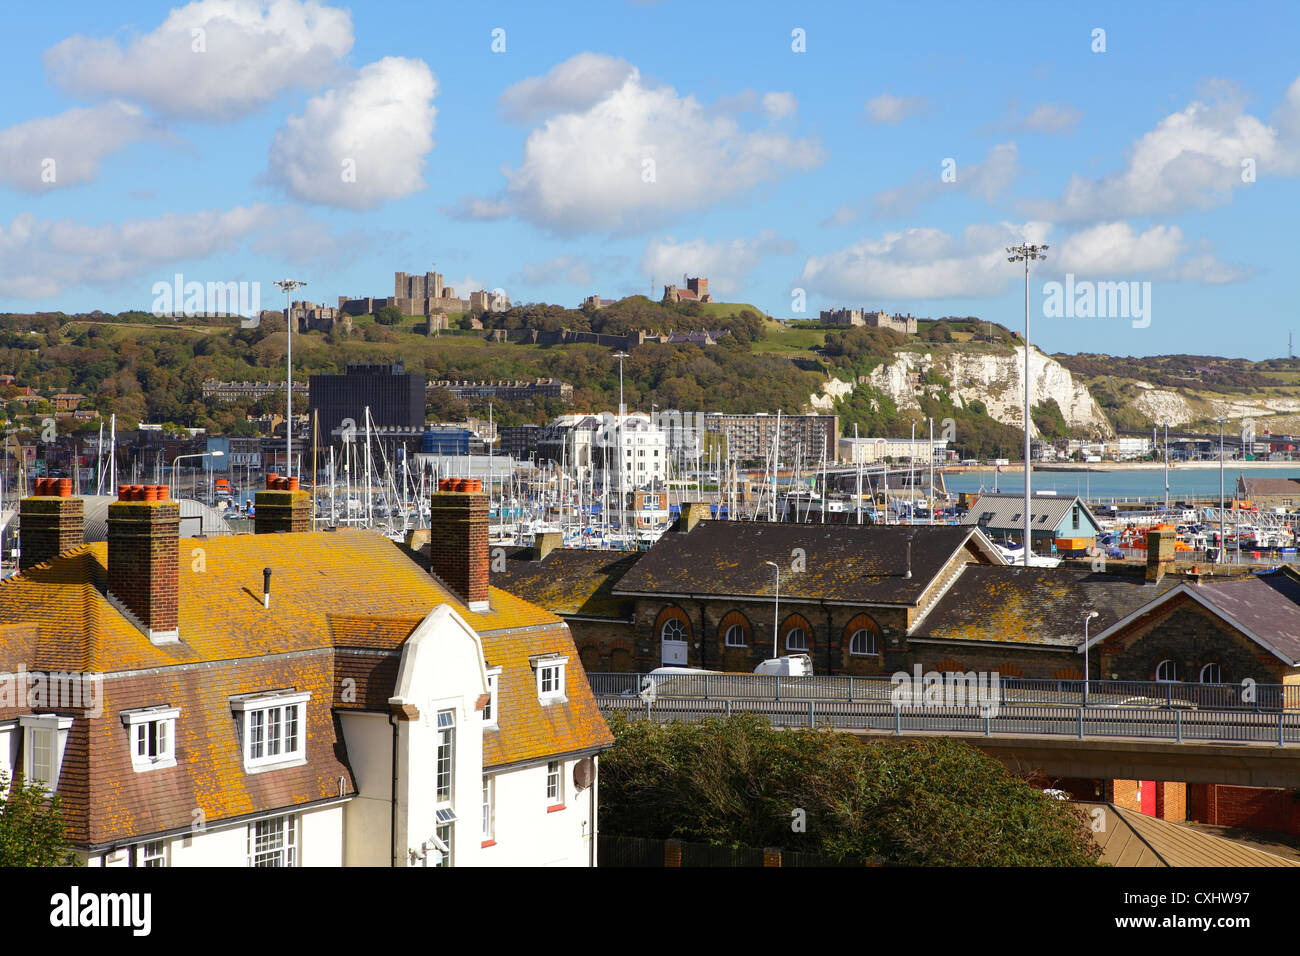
x: 1034, y: 605
x: 1130, y: 838
x: 1267, y: 604
x: 849, y: 563
x: 1268, y: 486
x: 569, y: 581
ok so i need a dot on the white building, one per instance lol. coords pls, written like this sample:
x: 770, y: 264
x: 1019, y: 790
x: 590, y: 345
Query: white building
x: 398, y: 716
x: 871, y: 450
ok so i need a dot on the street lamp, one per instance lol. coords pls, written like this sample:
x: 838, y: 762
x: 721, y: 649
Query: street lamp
x: 620, y: 356
x: 1026, y: 252
x: 1088, y: 618
x: 288, y: 285
x: 1222, y: 543
x: 201, y: 454
x: 776, y: 610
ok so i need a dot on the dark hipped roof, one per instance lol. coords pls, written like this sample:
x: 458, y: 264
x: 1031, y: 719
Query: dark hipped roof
x: 1008, y: 511
x: 1034, y: 605
x: 844, y: 563
x: 1267, y: 604
x: 569, y: 581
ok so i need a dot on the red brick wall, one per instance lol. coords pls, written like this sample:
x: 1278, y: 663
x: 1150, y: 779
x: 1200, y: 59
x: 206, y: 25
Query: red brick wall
x: 48, y: 526
x: 1252, y: 808
x: 458, y: 543
x: 143, y: 560
x: 288, y: 511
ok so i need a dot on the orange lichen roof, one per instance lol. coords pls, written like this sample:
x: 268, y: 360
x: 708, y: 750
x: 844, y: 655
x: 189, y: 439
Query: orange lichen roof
x: 319, y: 581
x: 528, y: 729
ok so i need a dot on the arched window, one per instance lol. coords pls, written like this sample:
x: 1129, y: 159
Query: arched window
x: 1211, y: 674
x: 673, y: 630
x: 796, y: 639
x: 1167, y: 671
x: 863, y: 643
x: 735, y: 630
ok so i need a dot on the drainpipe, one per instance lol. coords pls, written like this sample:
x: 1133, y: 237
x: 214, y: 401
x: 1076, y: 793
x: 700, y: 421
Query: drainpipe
x: 591, y: 812
x: 704, y: 639
x: 830, y: 630
x: 392, y: 819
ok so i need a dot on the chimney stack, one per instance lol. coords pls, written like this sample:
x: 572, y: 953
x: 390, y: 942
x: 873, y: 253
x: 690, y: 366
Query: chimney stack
x: 458, y: 539
x: 144, y: 560
x: 545, y: 542
x: 49, y: 522
x: 283, y: 506
x: 692, y: 513
x: 1160, y: 554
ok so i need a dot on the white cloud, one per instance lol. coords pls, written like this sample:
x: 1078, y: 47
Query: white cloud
x: 67, y: 149
x: 246, y: 52
x: 985, y: 180
x: 780, y: 105
x: 641, y: 156
x: 380, y: 125
x: 725, y: 263
x: 579, y: 83
x: 887, y: 108
x: 1192, y: 159
x: 40, y: 258
x: 1114, y: 248
x: 1049, y: 118
x: 477, y: 209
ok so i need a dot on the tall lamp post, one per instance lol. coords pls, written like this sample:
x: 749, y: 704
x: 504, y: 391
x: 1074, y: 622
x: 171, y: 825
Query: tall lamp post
x: 288, y: 285
x: 1026, y: 253
x: 1222, y: 542
x: 776, y: 610
x: 201, y: 454
x: 1086, y: 619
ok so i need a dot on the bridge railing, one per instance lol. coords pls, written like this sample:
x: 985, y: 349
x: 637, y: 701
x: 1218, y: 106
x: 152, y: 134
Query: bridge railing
x: 1179, y: 726
x: 1246, y: 696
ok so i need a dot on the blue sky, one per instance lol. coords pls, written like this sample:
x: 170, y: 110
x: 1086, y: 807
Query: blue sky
x: 221, y: 154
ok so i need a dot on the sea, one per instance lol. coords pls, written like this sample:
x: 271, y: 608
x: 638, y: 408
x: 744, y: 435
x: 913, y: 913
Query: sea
x: 1121, y: 484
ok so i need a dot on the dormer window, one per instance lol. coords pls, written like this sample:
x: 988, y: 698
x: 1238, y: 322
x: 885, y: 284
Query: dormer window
x: 490, y: 711
x: 44, y: 737
x: 152, y: 735
x: 550, y: 677
x: 274, y: 729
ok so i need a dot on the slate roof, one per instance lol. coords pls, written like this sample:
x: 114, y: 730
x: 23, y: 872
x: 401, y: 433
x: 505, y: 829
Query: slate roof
x: 849, y: 564
x: 1130, y: 838
x: 1268, y: 486
x: 1034, y: 605
x: 570, y: 581
x: 1267, y: 604
x: 1008, y: 511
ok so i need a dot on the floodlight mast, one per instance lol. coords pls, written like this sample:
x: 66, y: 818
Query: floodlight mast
x: 1026, y: 252
x: 288, y: 285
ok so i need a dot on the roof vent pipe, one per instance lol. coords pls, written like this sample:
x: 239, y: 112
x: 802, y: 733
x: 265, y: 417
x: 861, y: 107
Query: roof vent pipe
x: 266, y: 587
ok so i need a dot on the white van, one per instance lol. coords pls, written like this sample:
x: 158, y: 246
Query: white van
x: 792, y: 665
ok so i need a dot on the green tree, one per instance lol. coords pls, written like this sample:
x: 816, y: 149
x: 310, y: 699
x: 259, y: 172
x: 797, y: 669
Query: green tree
x: 31, y: 826
x: 388, y: 315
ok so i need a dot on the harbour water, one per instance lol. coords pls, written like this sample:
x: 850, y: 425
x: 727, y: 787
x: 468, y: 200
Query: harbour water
x: 1184, y: 481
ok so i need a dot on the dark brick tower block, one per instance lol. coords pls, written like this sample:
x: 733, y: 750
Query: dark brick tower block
x: 458, y: 541
x: 143, y: 564
x: 49, y: 524
x: 277, y: 510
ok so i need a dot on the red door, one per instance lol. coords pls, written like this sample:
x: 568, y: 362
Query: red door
x: 1147, y: 794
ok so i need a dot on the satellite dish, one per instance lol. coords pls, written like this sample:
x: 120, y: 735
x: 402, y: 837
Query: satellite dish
x: 584, y: 772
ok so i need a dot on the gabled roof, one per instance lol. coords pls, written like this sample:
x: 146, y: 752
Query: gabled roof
x: 844, y: 563
x: 570, y: 581
x: 1007, y: 512
x: 1032, y: 605
x: 1130, y: 838
x: 1263, y: 607
x: 1268, y: 486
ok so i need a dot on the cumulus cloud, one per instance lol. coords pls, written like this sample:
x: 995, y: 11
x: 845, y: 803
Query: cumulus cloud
x: 579, y: 83
x: 1115, y: 248
x: 921, y: 264
x: 65, y: 150
x: 890, y: 109
x: 362, y: 143
x: 211, y: 59
x: 642, y: 155
x: 726, y: 263
x: 985, y: 180
x: 1192, y: 159
x: 40, y: 258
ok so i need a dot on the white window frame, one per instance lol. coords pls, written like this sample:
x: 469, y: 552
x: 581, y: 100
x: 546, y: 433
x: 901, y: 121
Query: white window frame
x: 441, y: 729
x: 489, y: 809
x: 290, y: 832
x: 872, y: 639
x: 738, y: 629
x: 151, y: 853
x: 803, y: 635
x: 492, y: 712
x: 1161, y: 666
x: 554, y: 783
x: 137, y: 721
x: 1218, y: 672
x: 263, y: 704
x: 554, y: 666
x: 57, y: 727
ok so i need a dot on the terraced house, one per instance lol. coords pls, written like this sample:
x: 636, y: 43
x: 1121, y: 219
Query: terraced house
x: 291, y: 698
